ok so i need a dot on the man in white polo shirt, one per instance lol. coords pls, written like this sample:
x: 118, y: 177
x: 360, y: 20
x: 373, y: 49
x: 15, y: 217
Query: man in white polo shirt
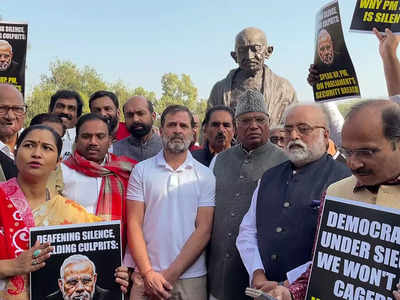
x: 170, y: 211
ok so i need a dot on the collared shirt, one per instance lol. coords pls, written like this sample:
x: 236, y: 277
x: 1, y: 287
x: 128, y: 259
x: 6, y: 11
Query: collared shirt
x: 6, y: 150
x: 68, y: 142
x: 246, y: 241
x: 81, y: 188
x: 134, y: 148
x: 171, y: 198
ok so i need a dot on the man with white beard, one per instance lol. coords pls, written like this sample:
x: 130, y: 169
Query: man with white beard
x: 78, y: 281
x: 277, y: 233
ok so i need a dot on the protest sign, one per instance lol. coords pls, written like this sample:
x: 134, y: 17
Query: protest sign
x: 82, y: 263
x: 13, y: 43
x: 357, y: 254
x: 376, y: 13
x: 337, y: 77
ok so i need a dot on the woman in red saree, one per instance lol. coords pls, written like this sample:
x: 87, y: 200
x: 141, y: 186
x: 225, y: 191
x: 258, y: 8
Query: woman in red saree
x: 24, y: 203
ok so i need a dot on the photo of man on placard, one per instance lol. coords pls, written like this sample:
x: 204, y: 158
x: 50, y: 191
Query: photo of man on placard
x: 325, y: 47
x: 78, y: 281
x: 7, y: 64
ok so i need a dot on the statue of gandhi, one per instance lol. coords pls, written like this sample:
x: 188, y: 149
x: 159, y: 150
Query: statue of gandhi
x: 251, y: 49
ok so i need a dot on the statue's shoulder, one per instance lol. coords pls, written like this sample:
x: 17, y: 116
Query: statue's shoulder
x: 219, y: 88
x: 273, y: 80
x: 275, y: 77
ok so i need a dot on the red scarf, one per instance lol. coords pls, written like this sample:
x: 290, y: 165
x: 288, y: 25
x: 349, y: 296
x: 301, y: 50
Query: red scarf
x: 115, y: 175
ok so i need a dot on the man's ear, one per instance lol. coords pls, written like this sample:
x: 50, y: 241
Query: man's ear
x: 95, y: 278
x: 118, y: 114
x: 234, y: 56
x: 154, y: 115
x: 268, y: 51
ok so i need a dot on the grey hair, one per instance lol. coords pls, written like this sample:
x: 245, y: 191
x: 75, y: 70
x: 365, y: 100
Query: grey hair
x: 316, y: 105
x: 390, y: 114
x: 74, y: 259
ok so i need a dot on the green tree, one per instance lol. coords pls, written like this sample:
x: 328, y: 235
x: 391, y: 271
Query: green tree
x: 344, y: 107
x: 177, y: 90
x: 180, y: 90
x: 86, y: 80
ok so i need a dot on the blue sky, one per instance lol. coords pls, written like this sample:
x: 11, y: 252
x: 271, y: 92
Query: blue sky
x: 138, y: 42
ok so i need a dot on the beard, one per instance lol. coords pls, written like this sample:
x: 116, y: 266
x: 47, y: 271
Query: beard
x: 300, y: 154
x: 85, y: 295
x: 139, y: 130
x: 327, y: 58
x: 4, y: 65
x: 112, y: 123
x: 176, y: 143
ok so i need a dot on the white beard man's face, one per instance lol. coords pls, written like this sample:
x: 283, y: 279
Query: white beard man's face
x: 79, y: 295
x: 5, y: 61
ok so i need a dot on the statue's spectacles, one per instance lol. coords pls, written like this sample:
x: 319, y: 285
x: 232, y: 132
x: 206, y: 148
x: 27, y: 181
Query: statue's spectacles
x: 253, y: 48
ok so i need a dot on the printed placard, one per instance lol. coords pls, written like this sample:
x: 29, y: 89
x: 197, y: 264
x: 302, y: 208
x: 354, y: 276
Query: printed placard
x: 357, y: 255
x: 337, y: 77
x: 82, y: 264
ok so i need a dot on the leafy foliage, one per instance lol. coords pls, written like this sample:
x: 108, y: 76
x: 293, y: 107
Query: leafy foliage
x: 86, y: 80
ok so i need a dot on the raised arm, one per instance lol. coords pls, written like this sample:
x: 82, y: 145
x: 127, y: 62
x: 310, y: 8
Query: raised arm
x: 388, y: 44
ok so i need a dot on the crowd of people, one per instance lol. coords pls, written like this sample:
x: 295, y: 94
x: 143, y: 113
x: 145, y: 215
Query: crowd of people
x: 206, y: 209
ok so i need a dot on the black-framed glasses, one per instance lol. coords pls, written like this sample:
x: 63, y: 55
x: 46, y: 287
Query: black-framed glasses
x: 361, y: 153
x: 277, y: 139
x: 303, y: 128
x: 18, y: 110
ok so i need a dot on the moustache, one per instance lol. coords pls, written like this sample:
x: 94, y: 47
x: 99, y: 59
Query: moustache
x: 62, y: 115
x: 220, y: 136
x: 295, y: 143
x: 177, y: 136
x: 361, y: 171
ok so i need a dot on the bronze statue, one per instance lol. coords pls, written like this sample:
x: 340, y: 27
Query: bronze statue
x: 251, y: 50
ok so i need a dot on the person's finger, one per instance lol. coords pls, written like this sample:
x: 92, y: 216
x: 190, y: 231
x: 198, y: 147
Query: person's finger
x: 122, y: 281
x: 396, y: 295
x: 380, y: 36
x: 124, y: 290
x: 122, y: 275
x: 268, y: 286
x: 167, y: 285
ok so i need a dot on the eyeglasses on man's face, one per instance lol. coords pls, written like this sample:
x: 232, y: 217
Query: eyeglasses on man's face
x: 18, y: 110
x: 302, y: 128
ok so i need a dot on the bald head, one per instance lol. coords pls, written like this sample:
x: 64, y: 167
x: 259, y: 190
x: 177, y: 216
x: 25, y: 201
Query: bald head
x: 380, y: 114
x: 310, y: 112
x: 8, y: 91
x: 139, y: 116
x: 251, y: 50
x: 250, y: 34
x: 136, y: 100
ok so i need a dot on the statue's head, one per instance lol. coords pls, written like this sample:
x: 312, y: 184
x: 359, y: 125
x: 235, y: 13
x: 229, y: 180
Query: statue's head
x: 251, y: 49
